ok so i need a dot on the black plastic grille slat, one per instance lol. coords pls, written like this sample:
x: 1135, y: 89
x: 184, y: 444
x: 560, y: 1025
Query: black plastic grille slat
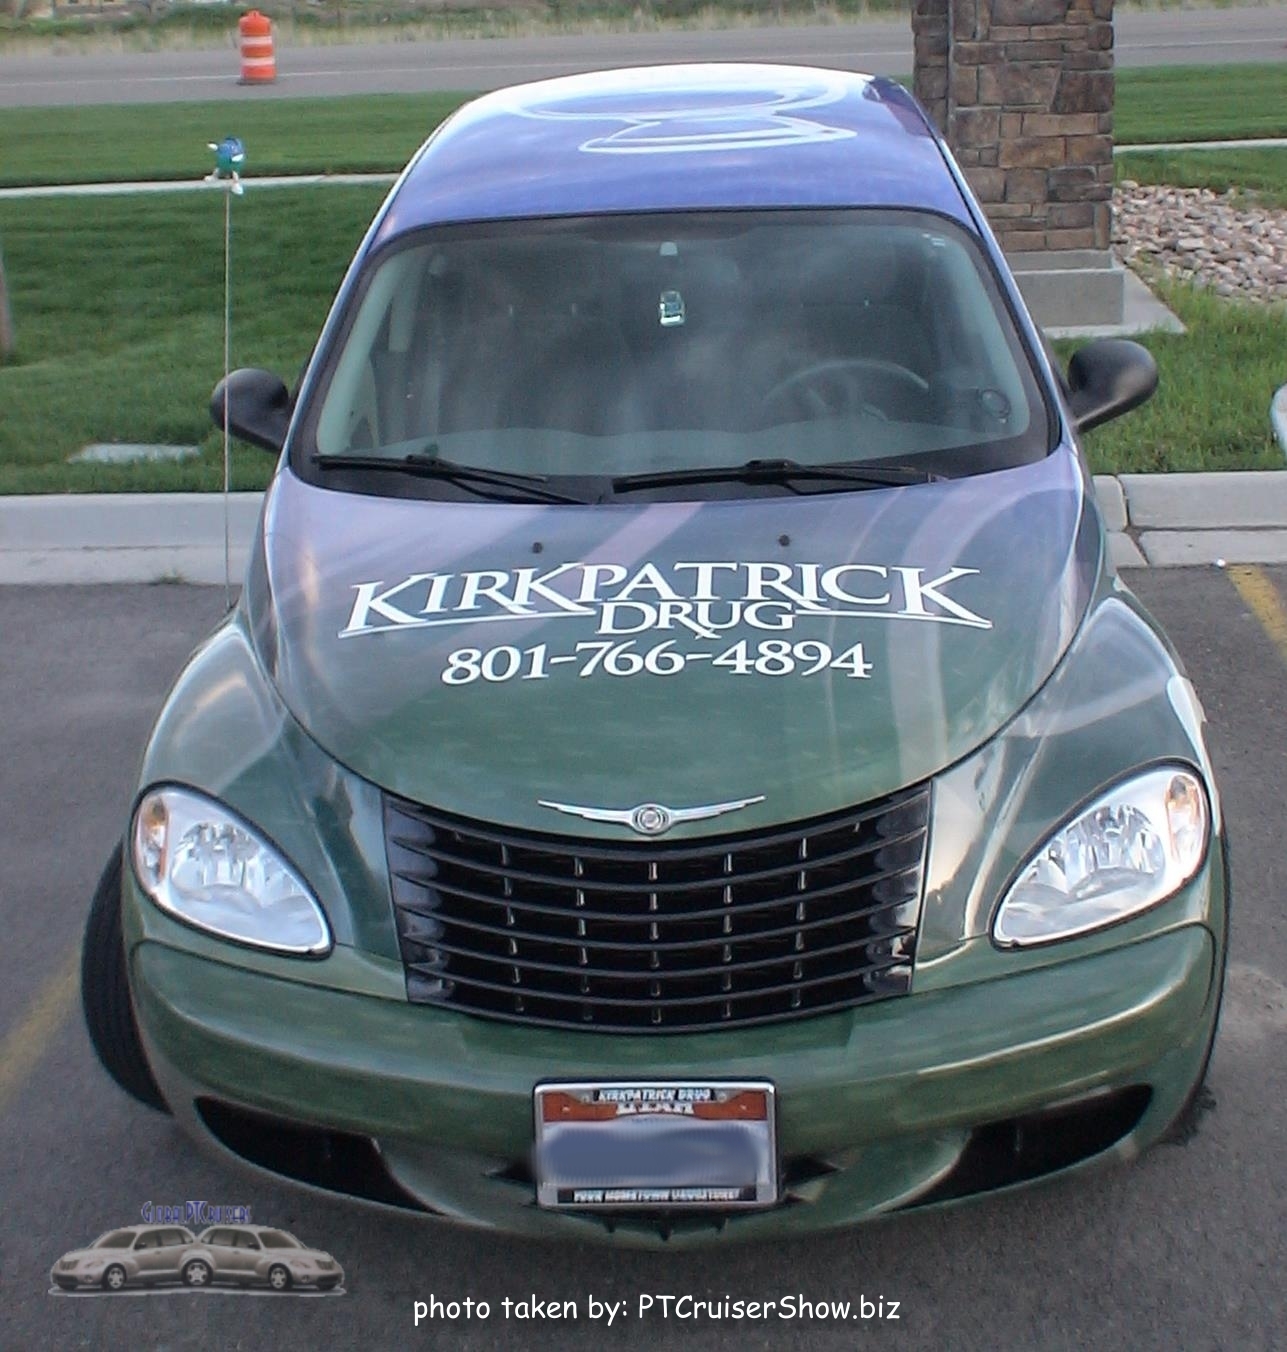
x: 623, y: 917
x: 484, y: 931
x: 656, y: 936
x: 609, y: 974
x: 626, y: 1002
x: 642, y: 887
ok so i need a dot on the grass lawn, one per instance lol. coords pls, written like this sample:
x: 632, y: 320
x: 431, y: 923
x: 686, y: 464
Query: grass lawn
x: 120, y: 142
x: 379, y: 131
x: 1201, y: 103
x: 1261, y: 174
x: 1211, y: 410
x: 126, y: 344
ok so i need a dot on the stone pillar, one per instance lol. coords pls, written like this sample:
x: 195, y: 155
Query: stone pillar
x: 930, y: 41
x: 1023, y: 92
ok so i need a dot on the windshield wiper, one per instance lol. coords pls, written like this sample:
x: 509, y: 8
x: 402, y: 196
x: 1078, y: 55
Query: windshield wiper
x: 777, y: 472
x: 435, y: 467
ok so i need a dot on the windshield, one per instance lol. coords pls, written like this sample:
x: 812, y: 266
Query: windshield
x: 278, y: 1239
x: 599, y: 348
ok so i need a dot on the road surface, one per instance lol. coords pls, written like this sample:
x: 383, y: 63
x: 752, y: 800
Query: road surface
x: 879, y: 47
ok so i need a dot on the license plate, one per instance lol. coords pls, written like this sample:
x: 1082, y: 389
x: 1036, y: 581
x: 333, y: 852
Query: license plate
x: 651, y: 1144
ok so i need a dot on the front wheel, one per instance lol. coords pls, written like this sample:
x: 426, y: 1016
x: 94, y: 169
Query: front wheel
x: 278, y: 1278
x: 105, y: 993
x: 196, y: 1273
x: 114, y: 1278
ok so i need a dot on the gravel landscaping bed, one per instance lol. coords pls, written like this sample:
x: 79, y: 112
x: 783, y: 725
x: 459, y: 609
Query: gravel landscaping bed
x: 1221, y: 241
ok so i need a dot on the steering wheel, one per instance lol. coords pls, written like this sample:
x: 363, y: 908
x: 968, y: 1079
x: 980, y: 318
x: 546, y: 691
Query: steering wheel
x: 840, y: 385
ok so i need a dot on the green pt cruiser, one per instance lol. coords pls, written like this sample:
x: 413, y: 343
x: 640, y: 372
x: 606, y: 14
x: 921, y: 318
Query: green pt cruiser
x: 682, y: 763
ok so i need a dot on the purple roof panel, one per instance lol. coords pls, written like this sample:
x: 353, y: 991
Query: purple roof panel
x: 678, y: 138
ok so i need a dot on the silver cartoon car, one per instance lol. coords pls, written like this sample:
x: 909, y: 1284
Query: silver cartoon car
x: 258, y: 1255
x: 134, y: 1255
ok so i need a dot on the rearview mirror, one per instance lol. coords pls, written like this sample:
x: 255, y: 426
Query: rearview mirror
x: 258, y: 406
x: 1107, y: 378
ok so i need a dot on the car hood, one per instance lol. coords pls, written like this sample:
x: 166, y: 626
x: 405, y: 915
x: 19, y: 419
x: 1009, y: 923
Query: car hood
x: 963, y: 594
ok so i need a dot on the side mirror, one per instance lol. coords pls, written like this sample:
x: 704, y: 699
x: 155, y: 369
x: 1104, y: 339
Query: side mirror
x: 258, y: 405
x: 1108, y: 378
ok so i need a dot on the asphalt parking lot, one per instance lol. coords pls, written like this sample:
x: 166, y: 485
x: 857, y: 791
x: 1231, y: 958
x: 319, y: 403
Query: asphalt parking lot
x: 1184, y: 1248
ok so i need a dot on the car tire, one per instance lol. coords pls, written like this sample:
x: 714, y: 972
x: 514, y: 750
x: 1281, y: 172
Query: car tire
x: 278, y: 1278
x: 197, y: 1273
x: 115, y: 1278
x: 105, y: 993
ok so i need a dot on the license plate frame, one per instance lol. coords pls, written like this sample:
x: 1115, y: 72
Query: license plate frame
x: 633, y: 1142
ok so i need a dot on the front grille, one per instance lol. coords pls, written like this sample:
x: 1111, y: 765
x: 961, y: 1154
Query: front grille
x: 658, y: 937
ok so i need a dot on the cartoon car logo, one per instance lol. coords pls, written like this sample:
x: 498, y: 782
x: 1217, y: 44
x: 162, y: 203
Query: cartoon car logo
x: 155, y: 1255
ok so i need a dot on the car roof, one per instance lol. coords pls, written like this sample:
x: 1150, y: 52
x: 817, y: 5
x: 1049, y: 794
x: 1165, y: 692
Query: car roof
x: 677, y: 138
x: 245, y: 1225
x: 140, y: 1229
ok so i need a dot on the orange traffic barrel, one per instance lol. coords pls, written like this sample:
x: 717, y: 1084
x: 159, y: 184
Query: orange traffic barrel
x: 258, y: 64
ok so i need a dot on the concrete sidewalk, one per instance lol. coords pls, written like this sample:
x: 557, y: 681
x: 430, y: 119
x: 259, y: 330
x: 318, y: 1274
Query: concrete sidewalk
x: 1155, y: 520
x: 131, y: 188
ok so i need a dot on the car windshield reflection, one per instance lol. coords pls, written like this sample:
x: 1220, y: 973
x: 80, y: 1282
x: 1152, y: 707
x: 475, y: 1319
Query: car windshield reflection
x: 595, y: 348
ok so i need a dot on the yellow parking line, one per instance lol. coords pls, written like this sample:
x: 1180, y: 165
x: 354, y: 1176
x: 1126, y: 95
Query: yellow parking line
x: 23, y: 1046
x: 1260, y: 594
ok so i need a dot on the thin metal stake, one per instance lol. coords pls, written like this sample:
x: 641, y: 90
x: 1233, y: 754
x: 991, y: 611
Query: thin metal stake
x: 227, y: 362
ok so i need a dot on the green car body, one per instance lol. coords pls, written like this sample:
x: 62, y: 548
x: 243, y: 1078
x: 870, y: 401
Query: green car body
x: 1005, y: 672
x: 888, y: 1095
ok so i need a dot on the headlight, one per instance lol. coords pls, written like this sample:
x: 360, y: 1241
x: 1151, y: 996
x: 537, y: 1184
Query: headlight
x: 199, y: 862
x: 1133, y: 847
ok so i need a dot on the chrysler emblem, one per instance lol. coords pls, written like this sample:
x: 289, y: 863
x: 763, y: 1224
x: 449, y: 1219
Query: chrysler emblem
x: 651, y: 819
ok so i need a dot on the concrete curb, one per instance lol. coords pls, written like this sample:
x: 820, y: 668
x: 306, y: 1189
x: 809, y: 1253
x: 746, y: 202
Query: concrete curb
x: 128, y: 189
x: 1154, y: 520
x: 1187, y: 520
x: 1244, y: 143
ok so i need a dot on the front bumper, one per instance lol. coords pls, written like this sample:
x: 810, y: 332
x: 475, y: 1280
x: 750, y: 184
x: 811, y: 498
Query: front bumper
x: 324, y: 1281
x: 876, y: 1105
x: 74, y: 1281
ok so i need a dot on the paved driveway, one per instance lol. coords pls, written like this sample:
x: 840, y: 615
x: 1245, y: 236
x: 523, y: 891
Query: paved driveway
x: 1184, y: 1249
